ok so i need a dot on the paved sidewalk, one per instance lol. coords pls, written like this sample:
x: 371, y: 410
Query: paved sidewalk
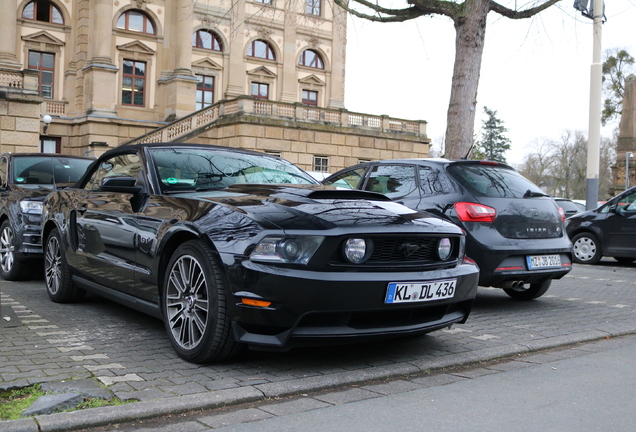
x: 130, y: 354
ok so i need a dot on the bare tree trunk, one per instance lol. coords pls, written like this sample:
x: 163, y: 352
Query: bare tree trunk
x: 469, y: 47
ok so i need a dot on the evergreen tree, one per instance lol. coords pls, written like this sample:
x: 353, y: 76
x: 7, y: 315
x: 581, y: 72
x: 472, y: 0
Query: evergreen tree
x: 493, y: 143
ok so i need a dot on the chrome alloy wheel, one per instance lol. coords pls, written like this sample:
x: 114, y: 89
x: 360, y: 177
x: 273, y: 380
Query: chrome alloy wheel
x: 187, y: 302
x: 7, y: 255
x: 53, y: 265
x: 584, y: 248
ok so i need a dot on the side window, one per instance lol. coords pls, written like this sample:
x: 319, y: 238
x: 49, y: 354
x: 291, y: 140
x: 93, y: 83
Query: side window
x: 627, y: 203
x: 122, y: 165
x: 3, y: 172
x: 392, y: 180
x: 350, y: 179
x: 434, y: 182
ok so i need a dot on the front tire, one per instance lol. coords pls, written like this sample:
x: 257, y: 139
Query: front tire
x: 57, y: 275
x: 535, y: 290
x: 11, y: 267
x: 586, y: 248
x: 194, y: 307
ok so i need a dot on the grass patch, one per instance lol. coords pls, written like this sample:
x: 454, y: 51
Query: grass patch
x: 14, y: 402
x: 97, y: 402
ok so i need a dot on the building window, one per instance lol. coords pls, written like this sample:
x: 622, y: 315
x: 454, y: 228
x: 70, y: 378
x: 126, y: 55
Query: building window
x: 311, y: 58
x: 50, y: 145
x: 267, y: 2
x: 42, y: 10
x: 44, y: 63
x: 260, y: 91
x: 133, y: 85
x: 136, y: 21
x: 205, y: 91
x: 313, y: 7
x: 261, y: 49
x: 207, y: 40
x: 321, y: 164
x: 310, y: 97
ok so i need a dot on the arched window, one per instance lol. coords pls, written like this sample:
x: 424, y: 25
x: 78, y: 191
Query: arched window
x: 311, y: 58
x: 42, y: 10
x: 136, y: 21
x: 261, y: 49
x: 207, y: 39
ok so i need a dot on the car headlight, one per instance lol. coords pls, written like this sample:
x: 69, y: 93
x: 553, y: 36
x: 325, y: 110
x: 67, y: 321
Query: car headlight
x: 293, y: 250
x: 357, y: 250
x: 444, y: 248
x: 31, y: 207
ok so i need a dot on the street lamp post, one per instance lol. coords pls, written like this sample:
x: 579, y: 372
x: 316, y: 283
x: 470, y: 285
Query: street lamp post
x: 627, y: 156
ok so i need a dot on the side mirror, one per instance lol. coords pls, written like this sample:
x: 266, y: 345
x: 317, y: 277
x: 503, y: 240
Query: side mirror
x: 122, y: 184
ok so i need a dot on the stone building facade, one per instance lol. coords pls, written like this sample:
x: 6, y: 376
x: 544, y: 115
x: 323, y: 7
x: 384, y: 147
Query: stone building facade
x: 110, y: 71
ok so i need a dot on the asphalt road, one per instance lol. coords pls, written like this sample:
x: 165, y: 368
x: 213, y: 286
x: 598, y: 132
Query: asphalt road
x: 130, y: 353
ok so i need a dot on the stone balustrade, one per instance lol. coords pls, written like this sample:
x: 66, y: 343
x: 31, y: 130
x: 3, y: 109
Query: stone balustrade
x: 11, y: 79
x: 246, y: 105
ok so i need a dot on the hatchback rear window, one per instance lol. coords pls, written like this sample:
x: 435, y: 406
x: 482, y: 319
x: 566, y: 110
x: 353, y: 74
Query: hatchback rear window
x: 492, y: 181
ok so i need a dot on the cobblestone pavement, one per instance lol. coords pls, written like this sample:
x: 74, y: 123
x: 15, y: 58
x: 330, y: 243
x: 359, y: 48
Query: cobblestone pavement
x: 130, y: 353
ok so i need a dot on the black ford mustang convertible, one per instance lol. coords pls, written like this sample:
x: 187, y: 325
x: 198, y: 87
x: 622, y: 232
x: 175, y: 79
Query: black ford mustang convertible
x: 233, y: 248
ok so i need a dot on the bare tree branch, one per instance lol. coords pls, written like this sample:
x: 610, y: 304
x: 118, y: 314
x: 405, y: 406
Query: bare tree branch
x: 520, y: 14
x: 394, y: 15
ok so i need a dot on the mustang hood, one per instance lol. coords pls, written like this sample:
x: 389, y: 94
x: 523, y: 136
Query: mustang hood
x: 311, y: 207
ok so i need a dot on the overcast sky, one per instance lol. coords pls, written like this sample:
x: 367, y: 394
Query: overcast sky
x: 535, y: 72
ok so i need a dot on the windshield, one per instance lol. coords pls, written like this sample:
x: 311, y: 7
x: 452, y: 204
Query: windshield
x: 33, y: 171
x: 182, y: 169
x: 494, y: 181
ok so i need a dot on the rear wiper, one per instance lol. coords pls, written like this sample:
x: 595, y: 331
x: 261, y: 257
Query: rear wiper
x: 531, y: 194
x: 209, y: 188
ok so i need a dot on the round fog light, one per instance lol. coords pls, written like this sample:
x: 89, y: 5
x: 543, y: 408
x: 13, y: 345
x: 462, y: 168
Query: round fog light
x: 444, y: 248
x: 355, y: 250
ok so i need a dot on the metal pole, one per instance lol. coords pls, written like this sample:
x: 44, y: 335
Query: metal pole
x: 594, y: 134
x: 627, y: 156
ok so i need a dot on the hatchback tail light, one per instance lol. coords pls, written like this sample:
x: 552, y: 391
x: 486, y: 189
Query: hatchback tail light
x: 562, y: 213
x: 473, y: 212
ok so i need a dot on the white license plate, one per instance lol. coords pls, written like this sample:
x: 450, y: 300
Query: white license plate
x: 409, y: 292
x: 543, y: 261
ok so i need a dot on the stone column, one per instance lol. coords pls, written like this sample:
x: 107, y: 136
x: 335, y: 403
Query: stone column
x: 180, y: 87
x: 289, y: 79
x: 8, y: 41
x: 100, y: 80
x: 338, y: 55
x: 182, y: 37
x: 236, y: 70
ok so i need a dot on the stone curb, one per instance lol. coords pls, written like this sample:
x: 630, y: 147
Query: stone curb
x: 95, y: 417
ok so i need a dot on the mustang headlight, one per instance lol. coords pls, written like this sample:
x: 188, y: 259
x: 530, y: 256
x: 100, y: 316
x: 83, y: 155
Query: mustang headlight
x: 295, y: 250
x: 31, y: 207
x: 444, y: 248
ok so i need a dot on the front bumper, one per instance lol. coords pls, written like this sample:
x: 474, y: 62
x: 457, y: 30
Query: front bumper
x: 317, y: 308
x: 28, y: 229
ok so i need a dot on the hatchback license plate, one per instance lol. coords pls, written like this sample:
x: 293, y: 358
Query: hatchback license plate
x: 409, y: 292
x: 543, y: 261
